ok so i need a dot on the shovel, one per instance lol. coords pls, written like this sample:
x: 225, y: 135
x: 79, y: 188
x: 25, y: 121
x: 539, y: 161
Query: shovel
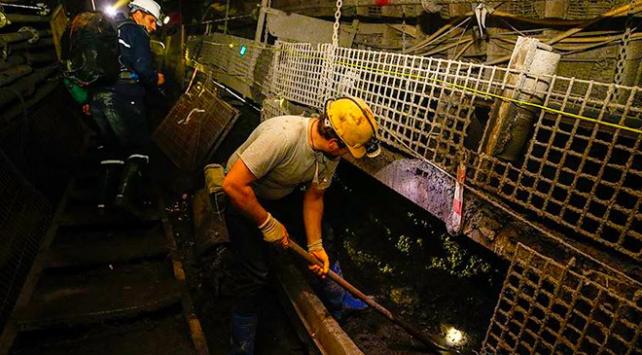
x: 428, y: 340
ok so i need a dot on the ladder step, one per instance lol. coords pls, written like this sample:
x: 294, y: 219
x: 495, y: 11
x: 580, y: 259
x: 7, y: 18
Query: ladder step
x: 81, y: 297
x: 116, y: 247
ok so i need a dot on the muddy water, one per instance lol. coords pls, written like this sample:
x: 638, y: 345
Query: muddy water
x: 402, y: 256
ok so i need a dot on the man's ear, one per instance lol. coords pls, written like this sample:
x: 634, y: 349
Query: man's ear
x: 333, y: 144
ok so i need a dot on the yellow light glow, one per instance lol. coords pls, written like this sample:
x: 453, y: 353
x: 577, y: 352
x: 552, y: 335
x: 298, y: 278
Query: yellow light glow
x: 110, y: 11
x: 454, y: 337
x: 231, y: 45
x: 120, y: 3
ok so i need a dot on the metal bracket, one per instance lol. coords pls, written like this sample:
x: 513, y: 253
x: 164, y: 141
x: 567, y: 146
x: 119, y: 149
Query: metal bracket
x: 34, y: 32
x: 3, y: 20
x: 44, y: 10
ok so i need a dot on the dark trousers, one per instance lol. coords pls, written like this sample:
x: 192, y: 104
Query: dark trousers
x: 119, y: 112
x: 253, y: 254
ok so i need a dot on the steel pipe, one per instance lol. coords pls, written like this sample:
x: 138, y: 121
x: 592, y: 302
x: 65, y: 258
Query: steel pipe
x: 12, y: 61
x: 41, y: 43
x: 41, y: 57
x: 20, y: 18
x: 14, y: 73
x: 23, y: 34
x: 41, y: 92
x: 24, y: 87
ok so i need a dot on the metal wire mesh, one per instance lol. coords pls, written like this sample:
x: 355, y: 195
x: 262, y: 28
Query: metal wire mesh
x: 240, y: 63
x: 195, y: 127
x: 575, y: 9
x: 299, y: 63
x: 585, y: 9
x: 530, y: 9
x: 549, y: 308
x: 24, y: 216
x: 581, y: 167
x: 273, y: 107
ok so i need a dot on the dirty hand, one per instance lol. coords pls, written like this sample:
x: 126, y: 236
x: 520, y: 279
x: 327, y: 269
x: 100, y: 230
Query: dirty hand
x: 274, y: 232
x: 161, y: 79
x: 86, y: 109
x: 316, y: 249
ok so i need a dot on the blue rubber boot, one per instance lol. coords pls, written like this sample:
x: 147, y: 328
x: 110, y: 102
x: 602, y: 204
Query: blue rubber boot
x: 243, y: 334
x: 339, y: 301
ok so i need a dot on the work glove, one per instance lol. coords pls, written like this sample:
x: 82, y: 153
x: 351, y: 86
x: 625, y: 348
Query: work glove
x: 316, y: 249
x: 273, y: 231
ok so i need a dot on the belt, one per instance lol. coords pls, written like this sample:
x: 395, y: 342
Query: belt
x: 128, y: 76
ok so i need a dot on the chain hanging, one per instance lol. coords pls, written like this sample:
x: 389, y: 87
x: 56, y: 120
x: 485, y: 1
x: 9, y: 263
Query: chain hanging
x: 626, y: 40
x: 335, y: 29
x: 403, y: 29
x: 265, y: 27
x: 227, y: 16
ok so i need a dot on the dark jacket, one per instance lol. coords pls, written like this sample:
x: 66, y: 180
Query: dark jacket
x: 135, y: 51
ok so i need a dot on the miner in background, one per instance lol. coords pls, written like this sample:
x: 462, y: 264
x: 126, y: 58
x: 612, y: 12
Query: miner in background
x: 265, y: 177
x: 119, y: 109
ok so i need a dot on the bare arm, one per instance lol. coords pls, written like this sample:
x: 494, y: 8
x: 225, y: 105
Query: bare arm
x: 312, y: 216
x: 237, y: 188
x: 313, y: 212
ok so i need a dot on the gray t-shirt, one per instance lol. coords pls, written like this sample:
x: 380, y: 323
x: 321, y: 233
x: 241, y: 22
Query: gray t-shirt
x: 278, y: 154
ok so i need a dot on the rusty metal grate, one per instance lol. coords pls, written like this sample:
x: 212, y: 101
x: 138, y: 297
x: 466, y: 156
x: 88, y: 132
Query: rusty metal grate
x: 195, y: 127
x: 549, y: 308
x: 586, y: 9
x: 575, y: 9
x: 531, y: 9
x: 584, y: 177
x: 24, y: 216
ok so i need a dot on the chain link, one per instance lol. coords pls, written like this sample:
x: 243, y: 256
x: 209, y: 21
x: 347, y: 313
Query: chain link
x: 403, y: 30
x: 337, y: 18
x: 265, y: 25
x: 626, y: 40
x: 227, y: 15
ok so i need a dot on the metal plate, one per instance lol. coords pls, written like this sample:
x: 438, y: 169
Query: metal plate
x: 195, y: 127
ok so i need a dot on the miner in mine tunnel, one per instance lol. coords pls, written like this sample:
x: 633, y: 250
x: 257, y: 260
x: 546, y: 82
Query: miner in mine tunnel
x: 120, y: 111
x: 266, y: 175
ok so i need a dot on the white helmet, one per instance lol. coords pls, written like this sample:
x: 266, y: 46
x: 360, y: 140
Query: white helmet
x: 149, y: 6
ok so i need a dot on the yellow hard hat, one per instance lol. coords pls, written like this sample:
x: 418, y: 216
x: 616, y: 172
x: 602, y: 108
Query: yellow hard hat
x: 354, y: 123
